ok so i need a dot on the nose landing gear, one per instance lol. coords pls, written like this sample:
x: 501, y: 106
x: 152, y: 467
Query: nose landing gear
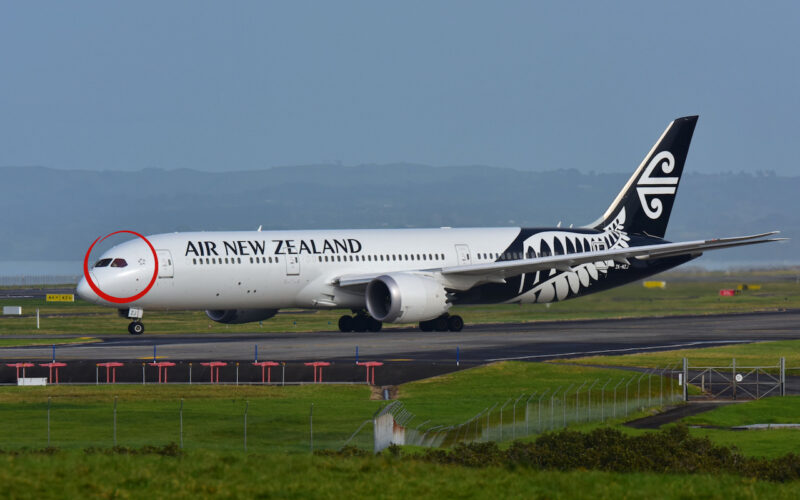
x: 135, y: 327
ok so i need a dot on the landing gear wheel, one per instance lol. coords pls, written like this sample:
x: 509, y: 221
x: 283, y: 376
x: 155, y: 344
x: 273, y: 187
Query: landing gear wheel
x: 426, y: 326
x: 374, y: 325
x: 455, y: 323
x: 346, y: 324
x: 135, y: 328
x: 440, y: 324
x: 359, y: 323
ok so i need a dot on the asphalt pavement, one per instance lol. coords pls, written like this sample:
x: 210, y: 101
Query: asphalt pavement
x: 475, y: 344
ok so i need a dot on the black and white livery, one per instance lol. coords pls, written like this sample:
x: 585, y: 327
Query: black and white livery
x: 411, y: 275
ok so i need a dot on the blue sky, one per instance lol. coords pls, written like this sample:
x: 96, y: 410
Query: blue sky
x: 224, y: 86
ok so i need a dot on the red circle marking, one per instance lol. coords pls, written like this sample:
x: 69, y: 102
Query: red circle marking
x: 111, y: 298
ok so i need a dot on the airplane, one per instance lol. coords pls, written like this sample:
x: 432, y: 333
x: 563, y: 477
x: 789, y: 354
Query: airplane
x: 409, y: 275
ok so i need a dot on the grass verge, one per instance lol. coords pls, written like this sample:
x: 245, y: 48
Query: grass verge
x: 210, y: 474
x: 679, y: 298
x: 752, y: 354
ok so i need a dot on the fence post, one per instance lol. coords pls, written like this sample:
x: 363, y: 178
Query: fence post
x: 603, y: 401
x: 577, y: 402
x: 589, y: 399
x: 48, y: 421
x: 514, y: 422
x: 190, y: 373
x: 685, y: 379
x: 488, y: 414
x: 142, y: 373
x: 783, y: 376
x: 626, y: 394
x: 733, y: 377
x: 180, y: 413
x: 246, y: 407
x: 615, y: 396
x: 527, y: 402
x: 96, y: 374
x: 237, y: 382
x: 552, y: 410
x: 311, y: 429
x: 564, y: 406
x: 283, y: 374
x: 501, y: 418
x: 539, y: 427
x: 115, y: 421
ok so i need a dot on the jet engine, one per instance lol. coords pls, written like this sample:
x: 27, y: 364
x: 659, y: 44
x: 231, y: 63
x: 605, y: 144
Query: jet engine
x: 237, y: 316
x: 405, y: 298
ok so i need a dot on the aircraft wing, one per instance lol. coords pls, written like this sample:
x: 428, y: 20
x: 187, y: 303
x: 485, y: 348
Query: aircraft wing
x: 620, y: 255
x: 497, y: 271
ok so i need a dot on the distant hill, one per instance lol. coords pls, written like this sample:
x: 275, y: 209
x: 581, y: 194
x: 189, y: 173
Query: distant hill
x: 51, y: 214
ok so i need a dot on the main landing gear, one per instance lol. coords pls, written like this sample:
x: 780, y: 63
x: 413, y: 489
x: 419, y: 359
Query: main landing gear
x: 360, y: 322
x: 443, y: 323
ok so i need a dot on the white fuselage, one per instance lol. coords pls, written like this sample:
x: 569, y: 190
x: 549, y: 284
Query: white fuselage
x: 280, y: 269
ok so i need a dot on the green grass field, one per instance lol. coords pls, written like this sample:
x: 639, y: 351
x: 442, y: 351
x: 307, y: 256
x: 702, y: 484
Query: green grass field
x: 206, y: 474
x: 278, y: 462
x: 755, y: 354
x: 680, y: 297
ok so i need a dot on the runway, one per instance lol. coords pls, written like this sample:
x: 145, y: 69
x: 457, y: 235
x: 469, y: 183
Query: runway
x: 475, y: 344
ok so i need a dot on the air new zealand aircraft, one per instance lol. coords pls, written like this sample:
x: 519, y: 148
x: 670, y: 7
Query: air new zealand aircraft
x: 406, y: 275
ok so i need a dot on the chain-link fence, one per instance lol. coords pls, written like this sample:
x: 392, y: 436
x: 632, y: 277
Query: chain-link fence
x: 595, y: 400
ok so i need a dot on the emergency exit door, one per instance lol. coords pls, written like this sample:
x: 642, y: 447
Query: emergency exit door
x: 292, y: 265
x: 165, y: 268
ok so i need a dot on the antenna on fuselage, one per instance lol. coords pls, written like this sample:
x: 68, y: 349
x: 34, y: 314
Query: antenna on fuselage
x: 259, y: 228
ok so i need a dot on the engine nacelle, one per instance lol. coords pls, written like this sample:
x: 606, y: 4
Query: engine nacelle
x: 405, y: 298
x: 237, y: 316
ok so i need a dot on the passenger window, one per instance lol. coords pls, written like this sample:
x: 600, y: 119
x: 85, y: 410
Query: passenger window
x: 119, y: 263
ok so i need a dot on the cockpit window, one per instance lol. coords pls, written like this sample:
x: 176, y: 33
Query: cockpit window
x: 119, y: 263
x: 103, y: 263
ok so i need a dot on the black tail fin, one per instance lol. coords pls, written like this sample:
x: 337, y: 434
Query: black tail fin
x: 645, y: 203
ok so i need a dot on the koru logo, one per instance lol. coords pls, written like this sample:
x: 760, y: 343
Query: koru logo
x: 656, y: 186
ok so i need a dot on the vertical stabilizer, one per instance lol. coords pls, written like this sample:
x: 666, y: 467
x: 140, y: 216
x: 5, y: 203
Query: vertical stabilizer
x: 645, y: 203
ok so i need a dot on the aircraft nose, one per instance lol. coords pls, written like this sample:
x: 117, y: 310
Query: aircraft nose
x: 85, y: 291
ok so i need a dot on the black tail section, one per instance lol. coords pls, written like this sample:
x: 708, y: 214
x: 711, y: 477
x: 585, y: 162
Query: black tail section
x: 645, y: 203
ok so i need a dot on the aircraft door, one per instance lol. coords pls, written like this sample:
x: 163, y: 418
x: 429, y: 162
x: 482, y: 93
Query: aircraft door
x: 165, y: 268
x: 292, y: 265
x: 464, y: 257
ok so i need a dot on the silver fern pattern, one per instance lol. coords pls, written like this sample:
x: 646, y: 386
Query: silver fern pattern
x: 557, y: 285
